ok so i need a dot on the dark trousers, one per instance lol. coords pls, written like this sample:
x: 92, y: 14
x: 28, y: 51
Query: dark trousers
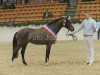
x: 98, y: 34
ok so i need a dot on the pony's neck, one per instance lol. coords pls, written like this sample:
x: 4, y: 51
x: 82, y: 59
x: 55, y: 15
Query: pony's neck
x: 56, y: 26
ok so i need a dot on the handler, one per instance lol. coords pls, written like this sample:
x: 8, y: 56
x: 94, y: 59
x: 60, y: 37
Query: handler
x: 98, y: 33
x: 90, y: 26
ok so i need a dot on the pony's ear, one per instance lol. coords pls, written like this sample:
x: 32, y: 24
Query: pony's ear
x: 68, y: 17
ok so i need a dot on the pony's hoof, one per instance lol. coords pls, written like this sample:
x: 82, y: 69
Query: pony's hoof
x: 25, y: 64
x: 11, y: 63
x: 47, y: 64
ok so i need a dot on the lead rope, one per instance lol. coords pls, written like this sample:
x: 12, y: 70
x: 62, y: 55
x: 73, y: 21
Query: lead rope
x: 73, y: 36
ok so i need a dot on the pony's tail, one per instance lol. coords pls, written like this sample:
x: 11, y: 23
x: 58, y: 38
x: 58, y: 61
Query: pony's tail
x: 14, y: 41
x: 15, y: 54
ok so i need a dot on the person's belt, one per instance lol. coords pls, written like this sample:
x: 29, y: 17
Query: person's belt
x: 87, y: 35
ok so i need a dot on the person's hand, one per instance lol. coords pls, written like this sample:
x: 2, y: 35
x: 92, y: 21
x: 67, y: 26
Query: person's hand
x: 94, y: 30
x: 71, y: 33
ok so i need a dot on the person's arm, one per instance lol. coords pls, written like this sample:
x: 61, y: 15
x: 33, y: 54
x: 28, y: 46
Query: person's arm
x: 95, y: 27
x: 78, y: 29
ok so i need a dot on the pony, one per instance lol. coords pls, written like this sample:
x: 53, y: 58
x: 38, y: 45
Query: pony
x: 45, y: 35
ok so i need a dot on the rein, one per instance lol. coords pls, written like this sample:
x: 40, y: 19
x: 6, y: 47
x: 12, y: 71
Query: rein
x: 73, y: 36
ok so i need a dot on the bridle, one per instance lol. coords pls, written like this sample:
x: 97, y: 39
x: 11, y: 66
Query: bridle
x: 73, y: 36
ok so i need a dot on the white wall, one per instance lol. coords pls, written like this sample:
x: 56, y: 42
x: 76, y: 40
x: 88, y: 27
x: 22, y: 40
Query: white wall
x: 7, y: 33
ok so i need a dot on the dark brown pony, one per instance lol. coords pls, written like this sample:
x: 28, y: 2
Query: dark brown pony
x: 46, y: 35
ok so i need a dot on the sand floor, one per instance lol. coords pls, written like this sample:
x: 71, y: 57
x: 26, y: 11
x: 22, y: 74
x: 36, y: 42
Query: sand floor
x: 66, y: 58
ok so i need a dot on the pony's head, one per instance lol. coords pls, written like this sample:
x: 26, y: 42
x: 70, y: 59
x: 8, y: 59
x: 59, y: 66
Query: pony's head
x: 67, y: 24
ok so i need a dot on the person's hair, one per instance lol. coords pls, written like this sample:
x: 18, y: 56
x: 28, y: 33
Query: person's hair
x: 87, y: 12
x: 98, y: 19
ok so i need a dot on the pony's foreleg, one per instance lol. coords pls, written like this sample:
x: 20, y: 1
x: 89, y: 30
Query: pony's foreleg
x: 22, y: 53
x: 48, y: 48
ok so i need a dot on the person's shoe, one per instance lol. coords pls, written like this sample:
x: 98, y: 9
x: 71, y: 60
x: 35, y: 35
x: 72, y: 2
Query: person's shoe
x: 89, y: 63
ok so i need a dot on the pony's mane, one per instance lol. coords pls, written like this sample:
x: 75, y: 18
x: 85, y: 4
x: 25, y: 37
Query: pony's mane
x: 54, y: 22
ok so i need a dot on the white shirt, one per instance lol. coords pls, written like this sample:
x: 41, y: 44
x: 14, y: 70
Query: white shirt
x: 88, y: 25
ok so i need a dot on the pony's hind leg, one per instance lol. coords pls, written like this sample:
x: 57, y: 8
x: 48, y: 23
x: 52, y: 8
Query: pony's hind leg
x: 22, y: 53
x: 48, y: 48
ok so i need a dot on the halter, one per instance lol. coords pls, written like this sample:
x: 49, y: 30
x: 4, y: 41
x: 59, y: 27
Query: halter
x: 50, y: 30
x: 73, y: 36
x: 64, y: 23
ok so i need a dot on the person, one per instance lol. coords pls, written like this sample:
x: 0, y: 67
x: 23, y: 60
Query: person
x: 12, y: 6
x: 68, y: 2
x: 90, y: 26
x: 1, y: 2
x: 47, y: 14
x: 98, y: 33
x: 5, y: 6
